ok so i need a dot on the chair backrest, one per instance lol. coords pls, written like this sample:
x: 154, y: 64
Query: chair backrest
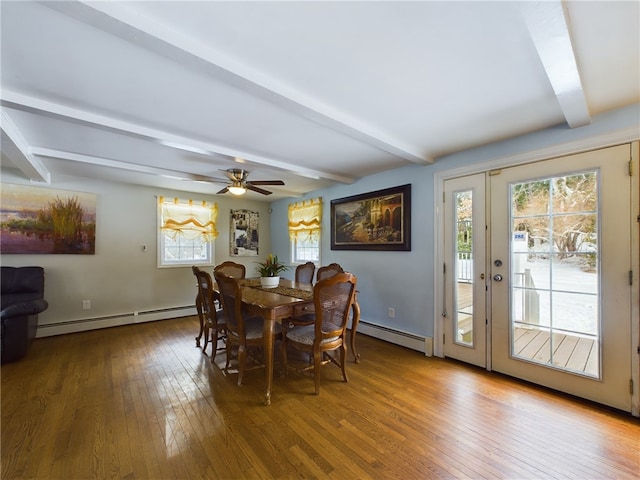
x: 230, y: 269
x: 304, y: 272
x: 205, y: 293
x: 231, y: 298
x: 328, y: 271
x: 332, y: 298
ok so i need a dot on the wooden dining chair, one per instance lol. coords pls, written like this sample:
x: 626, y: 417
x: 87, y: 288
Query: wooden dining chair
x: 211, y: 319
x: 230, y: 269
x: 304, y: 272
x: 195, y: 269
x: 305, y: 316
x: 332, y: 298
x: 243, y: 331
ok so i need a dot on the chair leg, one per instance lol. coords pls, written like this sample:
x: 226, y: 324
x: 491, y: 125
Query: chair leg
x: 242, y: 359
x: 228, y: 355
x: 317, y: 362
x: 214, y: 343
x: 206, y: 337
x: 200, y: 318
x: 343, y: 361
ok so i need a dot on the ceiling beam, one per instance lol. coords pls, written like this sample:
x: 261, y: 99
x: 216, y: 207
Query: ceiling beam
x: 133, y: 167
x: 547, y: 26
x: 16, y: 149
x: 30, y: 104
x: 120, y: 20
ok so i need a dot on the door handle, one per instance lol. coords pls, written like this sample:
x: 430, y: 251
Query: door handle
x: 497, y: 277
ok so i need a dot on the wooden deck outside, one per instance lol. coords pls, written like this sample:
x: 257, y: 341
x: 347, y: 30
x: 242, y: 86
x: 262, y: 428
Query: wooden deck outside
x: 571, y: 352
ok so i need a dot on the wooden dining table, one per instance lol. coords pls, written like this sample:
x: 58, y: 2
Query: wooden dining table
x: 276, y: 304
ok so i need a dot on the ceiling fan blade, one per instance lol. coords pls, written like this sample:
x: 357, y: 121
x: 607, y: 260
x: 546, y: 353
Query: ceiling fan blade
x: 224, y: 190
x: 203, y: 178
x: 249, y: 186
x: 266, y: 182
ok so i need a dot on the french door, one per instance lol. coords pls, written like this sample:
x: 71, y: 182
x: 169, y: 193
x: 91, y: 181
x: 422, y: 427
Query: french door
x: 556, y: 275
x: 465, y: 316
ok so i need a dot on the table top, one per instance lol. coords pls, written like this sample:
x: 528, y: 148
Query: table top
x: 282, y: 295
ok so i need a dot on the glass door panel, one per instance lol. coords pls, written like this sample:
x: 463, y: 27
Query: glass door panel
x: 554, y: 253
x: 463, y: 258
x: 465, y: 286
x: 560, y: 298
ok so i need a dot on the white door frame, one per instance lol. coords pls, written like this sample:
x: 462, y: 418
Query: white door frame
x: 609, y: 139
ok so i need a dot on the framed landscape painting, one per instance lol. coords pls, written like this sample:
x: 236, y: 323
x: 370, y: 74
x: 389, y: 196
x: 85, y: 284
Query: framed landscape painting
x: 379, y: 220
x: 45, y: 221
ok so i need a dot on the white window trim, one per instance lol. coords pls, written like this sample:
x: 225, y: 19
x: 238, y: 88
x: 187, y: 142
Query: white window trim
x: 163, y: 263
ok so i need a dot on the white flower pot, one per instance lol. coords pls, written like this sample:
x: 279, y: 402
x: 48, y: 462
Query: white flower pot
x: 269, y: 282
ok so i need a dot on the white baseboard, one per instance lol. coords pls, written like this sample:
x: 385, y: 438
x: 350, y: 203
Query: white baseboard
x: 85, y: 324
x: 398, y: 337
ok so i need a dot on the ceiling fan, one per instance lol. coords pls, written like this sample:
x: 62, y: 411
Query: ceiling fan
x: 238, y: 183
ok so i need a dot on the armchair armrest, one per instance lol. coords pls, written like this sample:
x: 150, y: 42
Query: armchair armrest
x: 32, y: 307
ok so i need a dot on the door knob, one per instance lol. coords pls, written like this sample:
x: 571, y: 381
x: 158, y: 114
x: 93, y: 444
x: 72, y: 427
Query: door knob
x: 497, y: 277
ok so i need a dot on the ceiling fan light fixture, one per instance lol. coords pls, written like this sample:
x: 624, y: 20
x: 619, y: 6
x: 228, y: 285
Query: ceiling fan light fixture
x: 237, y: 190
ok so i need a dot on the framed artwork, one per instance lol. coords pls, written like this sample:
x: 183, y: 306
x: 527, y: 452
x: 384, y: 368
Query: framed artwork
x: 244, y: 233
x: 46, y: 221
x: 379, y: 220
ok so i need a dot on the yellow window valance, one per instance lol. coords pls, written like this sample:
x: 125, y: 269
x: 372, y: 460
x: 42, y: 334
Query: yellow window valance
x: 305, y: 219
x: 188, y: 219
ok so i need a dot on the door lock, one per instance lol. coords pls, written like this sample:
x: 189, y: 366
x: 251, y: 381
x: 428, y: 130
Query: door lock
x: 498, y: 263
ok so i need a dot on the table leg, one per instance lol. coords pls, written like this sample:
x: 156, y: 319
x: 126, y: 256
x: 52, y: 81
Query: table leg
x: 355, y: 307
x: 269, y: 324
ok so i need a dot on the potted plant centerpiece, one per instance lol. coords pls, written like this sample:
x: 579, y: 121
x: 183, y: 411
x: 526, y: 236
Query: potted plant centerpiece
x: 270, y: 271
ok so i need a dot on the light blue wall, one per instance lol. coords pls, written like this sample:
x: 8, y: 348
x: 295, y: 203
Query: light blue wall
x: 405, y: 280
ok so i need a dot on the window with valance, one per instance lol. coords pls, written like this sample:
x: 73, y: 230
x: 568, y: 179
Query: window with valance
x: 187, y: 231
x: 305, y: 227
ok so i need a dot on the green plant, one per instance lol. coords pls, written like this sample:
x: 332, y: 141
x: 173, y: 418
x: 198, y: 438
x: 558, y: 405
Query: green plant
x: 271, y: 267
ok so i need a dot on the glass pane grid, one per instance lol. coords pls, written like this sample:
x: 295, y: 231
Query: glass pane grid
x: 181, y: 251
x: 306, y: 250
x: 554, y: 295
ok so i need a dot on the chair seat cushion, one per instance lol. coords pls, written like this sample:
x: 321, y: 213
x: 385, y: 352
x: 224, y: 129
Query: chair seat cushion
x: 306, y: 333
x: 254, y: 327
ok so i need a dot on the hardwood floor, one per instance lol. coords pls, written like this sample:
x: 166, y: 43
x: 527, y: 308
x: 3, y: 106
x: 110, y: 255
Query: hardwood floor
x: 142, y: 402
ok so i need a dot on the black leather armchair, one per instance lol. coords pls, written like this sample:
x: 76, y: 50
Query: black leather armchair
x: 22, y: 292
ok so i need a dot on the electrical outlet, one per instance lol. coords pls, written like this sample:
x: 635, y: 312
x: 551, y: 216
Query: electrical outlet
x: 392, y: 312
x: 86, y: 304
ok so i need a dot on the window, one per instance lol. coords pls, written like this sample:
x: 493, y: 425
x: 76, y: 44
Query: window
x: 186, y: 232
x: 305, y: 220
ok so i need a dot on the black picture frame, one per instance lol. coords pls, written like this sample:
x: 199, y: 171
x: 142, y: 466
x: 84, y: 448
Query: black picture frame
x: 379, y: 220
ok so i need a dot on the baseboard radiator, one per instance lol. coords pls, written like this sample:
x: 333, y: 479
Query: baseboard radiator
x: 398, y: 337
x: 84, y: 324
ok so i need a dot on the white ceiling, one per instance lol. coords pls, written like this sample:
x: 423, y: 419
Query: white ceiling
x: 312, y: 93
